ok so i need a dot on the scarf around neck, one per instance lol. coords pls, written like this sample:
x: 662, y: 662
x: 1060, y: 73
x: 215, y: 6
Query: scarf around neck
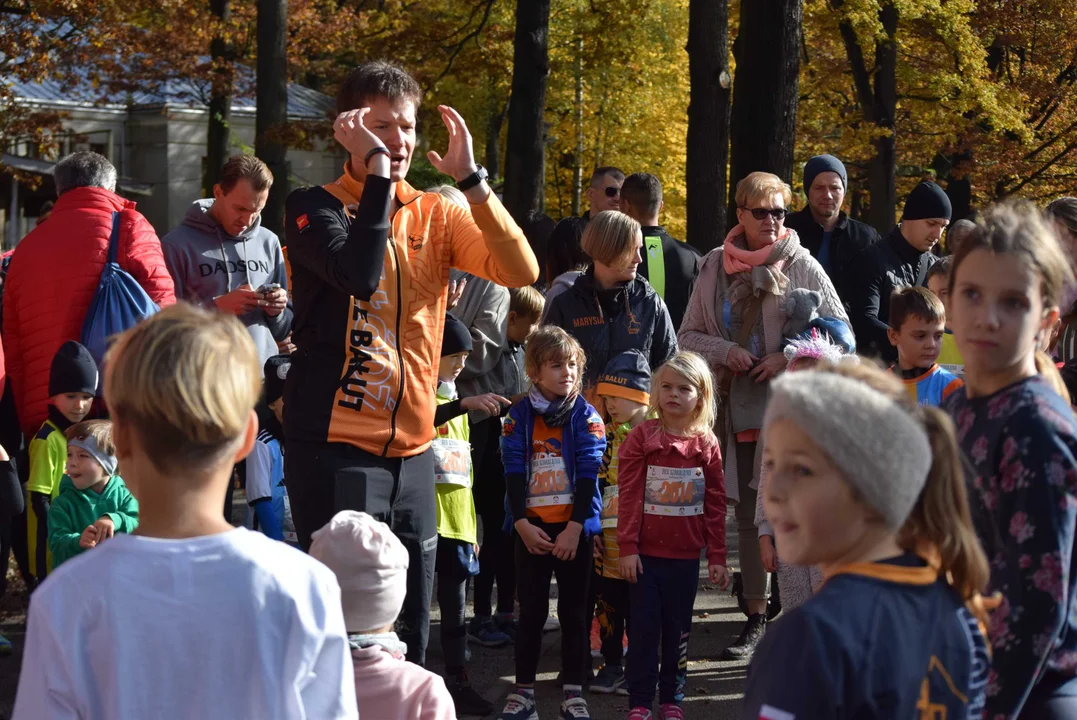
x: 555, y: 413
x: 753, y: 272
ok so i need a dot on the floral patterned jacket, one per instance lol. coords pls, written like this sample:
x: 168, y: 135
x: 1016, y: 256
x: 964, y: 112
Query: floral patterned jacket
x: 1020, y: 447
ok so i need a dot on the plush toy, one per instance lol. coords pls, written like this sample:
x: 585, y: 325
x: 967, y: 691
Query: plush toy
x: 802, y: 306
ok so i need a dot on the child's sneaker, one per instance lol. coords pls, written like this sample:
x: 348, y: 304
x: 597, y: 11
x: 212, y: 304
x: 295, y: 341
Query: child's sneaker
x: 466, y: 699
x: 507, y: 624
x: 575, y: 708
x: 482, y: 630
x: 670, y: 711
x: 519, y: 706
x: 5, y: 646
x: 640, y: 713
x: 608, y: 680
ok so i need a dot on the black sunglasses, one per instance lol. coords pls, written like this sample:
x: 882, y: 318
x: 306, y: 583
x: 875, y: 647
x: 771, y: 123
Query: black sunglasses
x: 612, y: 192
x: 761, y: 213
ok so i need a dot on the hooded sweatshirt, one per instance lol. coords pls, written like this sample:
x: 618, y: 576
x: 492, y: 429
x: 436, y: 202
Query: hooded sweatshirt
x: 206, y: 262
x: 76, y: 509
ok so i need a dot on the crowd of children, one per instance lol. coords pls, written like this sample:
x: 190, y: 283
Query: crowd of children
x: 920, y: 520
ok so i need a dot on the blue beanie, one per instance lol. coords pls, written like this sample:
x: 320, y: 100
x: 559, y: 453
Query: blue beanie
x: 627, y: 375
x: 822, y: 164
x: 926, y: 201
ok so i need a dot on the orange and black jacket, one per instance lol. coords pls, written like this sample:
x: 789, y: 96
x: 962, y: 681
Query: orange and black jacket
x: 370, y: 294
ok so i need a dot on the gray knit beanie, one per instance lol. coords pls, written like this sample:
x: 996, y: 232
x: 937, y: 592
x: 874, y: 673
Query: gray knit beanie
x: 881, y: 450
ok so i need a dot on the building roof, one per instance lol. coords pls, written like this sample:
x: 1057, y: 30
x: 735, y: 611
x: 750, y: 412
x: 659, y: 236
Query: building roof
x: 303, y: 103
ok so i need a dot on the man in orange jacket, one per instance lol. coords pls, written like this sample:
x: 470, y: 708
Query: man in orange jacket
x: 370, y: 259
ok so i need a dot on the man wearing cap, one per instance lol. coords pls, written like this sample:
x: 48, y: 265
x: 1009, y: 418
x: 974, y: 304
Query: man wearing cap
x: 901, y: 259
x: 824, y: 229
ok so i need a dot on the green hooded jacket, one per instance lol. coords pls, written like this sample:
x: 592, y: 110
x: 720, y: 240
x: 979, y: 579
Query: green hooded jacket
x: 76, y: 509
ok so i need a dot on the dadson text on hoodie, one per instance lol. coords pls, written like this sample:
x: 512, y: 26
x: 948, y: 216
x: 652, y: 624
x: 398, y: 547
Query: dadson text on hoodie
x: 206, y: 262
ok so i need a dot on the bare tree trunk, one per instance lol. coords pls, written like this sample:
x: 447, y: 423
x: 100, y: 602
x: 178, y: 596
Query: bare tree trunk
x: 766, y: 90
x: 493, y: 138
x: 708, y: 121
x: 577, y: 170
x: 271, y: 116
x: 218, y: 135
x: 882, y: 172
x: 876, y: 91
x: 526, y: 147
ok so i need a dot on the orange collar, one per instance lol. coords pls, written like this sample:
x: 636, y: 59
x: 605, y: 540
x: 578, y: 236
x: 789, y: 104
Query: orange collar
x: 405, y: 193
x: 897, y: 573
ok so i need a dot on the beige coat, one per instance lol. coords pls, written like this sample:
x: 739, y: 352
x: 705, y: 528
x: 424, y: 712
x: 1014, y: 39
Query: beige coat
x: 703, y: 330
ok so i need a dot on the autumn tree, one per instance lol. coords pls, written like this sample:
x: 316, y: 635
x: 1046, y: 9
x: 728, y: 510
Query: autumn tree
x: 218, y: 135
x: 524, y: 155
x: 766, y: 89
x: 271, y: 115
x: 708, y: 121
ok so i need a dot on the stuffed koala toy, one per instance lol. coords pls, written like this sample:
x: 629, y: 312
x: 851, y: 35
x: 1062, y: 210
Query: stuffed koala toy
x: 802, y: 306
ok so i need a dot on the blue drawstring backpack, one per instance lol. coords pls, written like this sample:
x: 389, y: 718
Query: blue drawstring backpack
x: 119, y: 304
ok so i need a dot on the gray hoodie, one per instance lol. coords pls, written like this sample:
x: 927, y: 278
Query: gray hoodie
x: 206, y: 262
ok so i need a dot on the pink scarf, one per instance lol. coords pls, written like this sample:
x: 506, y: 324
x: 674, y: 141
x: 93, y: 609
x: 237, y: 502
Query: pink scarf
x: 736, y: 260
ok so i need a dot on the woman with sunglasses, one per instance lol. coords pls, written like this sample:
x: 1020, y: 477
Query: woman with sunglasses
x: 735, y: 319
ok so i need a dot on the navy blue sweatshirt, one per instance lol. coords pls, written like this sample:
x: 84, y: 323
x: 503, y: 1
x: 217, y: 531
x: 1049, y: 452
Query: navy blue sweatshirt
x: 1020, y: 447
x: 886, y: 640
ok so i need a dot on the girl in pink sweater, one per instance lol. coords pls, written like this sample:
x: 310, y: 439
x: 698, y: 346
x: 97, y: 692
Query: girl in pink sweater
x: 672, y: 505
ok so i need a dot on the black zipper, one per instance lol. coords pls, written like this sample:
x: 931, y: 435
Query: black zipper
x: 399, y: 353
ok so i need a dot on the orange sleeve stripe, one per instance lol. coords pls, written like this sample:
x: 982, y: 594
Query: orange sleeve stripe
x: 954, y: 385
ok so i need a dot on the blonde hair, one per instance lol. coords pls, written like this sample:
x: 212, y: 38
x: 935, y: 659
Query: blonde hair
x: 696, y: 371
x: 552, y: 344
x: 1018, y: 228
x: 610, y: 236
x: 526, y: 302
x: 185, y: 380
x: 758, y: 186
x: 940, y: 523
x: 99, y: 430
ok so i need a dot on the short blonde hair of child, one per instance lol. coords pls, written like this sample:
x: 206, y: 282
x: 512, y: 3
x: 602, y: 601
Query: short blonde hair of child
x: 610, y: 236
x: 185, y: 380
x: 759, y: 186
x: 526, y: 302
x: 552, y: 344
x: 99, y: 430
x: 695, y: 370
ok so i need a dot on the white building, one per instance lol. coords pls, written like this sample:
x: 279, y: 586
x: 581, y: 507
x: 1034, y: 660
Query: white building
x: 157, y: 141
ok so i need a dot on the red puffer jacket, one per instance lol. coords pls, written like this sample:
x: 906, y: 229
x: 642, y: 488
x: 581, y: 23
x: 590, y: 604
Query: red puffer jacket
x: 53, y: 276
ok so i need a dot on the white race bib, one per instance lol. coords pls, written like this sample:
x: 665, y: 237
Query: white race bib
x: 549, y: 482
x: 676, y: 492
x: 609, y: 506
x: 452, y: 462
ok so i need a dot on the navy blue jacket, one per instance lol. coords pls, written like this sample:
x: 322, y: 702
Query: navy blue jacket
x: 637, y: 320
x: 583, y: 442
x: 886, y: 641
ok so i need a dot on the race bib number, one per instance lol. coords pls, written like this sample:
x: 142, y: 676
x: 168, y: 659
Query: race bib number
x: 549, y: 482
x: 452, y: 462
x: 609, y: 506
x: 674, y: 491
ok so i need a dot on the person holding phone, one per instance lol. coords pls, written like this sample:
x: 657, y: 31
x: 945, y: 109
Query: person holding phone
x: 221, y: 256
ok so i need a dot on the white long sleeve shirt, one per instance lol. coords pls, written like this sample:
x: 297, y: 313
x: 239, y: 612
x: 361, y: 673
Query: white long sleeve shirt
x: 233, y: 625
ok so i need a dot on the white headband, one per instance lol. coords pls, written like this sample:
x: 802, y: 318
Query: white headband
x: 879, y: 447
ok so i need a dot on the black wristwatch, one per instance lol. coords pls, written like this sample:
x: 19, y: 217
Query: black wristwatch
x: 473, y: 179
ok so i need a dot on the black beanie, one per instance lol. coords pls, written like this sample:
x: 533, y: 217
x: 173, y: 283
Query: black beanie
x: 276, y: 371
x: 927, y: 201
x: 73, y: 370
x: 457, y: 338
x: 628, y: 375
x: 821, y: 164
